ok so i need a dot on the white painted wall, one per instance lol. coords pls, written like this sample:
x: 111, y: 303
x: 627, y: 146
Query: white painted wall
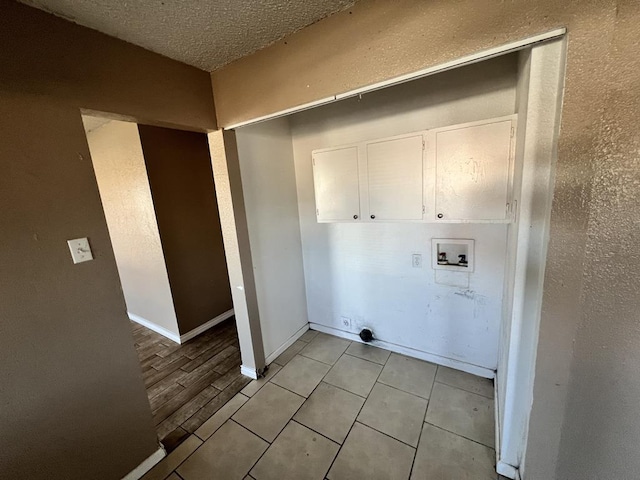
x: 120, y: 170
x: 364, y: 271
x: 269, y: 187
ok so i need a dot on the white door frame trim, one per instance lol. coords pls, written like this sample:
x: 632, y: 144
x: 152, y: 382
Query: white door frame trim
x: 538, y: 137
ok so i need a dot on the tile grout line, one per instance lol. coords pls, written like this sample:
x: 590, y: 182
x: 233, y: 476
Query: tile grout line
x: 458, y: 435
x: 424, y: 420
x: 314, y: 431
x: 431, y: 393
x: 285, y: 425
x: 364, y: 359
x: 357, y: 414
x: 185, y: 459
x: 404, y: 391
x: 265, y: 450
x: 463, y: 389
x: 389, y: 436
x: 288, y: 421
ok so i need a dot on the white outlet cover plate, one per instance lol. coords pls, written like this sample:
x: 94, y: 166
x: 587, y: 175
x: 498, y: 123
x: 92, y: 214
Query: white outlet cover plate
x: 80, y: 250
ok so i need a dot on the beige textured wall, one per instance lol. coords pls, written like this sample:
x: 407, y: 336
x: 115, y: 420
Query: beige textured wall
x: 575, y: 433
x: 120, y: 170
x: 184, y: 199
x: 72, y: 402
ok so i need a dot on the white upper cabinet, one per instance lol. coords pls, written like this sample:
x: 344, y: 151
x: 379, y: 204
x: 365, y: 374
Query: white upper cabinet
x: 458, y: 174
x: 473, y: 170
x: 335, y: 175
x: 394, y: 179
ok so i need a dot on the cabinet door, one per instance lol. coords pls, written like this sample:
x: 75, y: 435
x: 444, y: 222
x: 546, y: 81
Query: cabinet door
x: 335, y: 177
x: 473, y: 168
x: 394, y: 174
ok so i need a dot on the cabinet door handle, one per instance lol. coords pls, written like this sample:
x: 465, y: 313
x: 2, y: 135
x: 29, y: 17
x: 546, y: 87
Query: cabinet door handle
x: 355, y: 217
x: 440, y: 215
x: 372, y: 217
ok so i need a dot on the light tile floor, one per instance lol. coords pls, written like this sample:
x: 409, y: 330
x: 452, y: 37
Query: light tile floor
x: 330, y: 408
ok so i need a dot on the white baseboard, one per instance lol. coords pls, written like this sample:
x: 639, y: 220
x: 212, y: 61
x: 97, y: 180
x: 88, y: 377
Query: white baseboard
x: 410, y: 352
x: 508, y: 471
x: 287, y: 344
x: 146, y: 465
x: 249, y: 372
x: 206, y: 326
x: 156, y: 328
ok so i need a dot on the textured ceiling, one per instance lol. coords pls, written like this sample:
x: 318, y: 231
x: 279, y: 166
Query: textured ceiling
x: 204, y: 33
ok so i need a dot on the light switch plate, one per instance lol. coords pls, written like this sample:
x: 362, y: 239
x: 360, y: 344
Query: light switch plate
x: 80, y: 250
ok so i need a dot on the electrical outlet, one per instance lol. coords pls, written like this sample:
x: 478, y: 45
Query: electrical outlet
x: 416, y: 260
x: 346, y: 322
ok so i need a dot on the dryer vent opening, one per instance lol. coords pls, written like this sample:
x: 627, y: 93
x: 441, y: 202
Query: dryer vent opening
x: 366, y: 335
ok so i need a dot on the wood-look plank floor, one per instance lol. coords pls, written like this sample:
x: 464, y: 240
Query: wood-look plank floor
x: 188, y: 383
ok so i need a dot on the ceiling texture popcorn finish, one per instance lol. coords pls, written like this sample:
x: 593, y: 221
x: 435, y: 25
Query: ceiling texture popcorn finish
x: 204, y: 33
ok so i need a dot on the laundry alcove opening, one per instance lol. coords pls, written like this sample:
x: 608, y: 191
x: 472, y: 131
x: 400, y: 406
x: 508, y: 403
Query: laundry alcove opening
x: 348, y: 206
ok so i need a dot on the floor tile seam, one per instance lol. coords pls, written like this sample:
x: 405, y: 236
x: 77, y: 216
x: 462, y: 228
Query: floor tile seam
x: 431, y: 393
x: 461, y: 436
x: 324, y: 436
x: 345, y: 390
x: 406, y: 393
x: 463, y: 389
x: 363, y: 359
x: 300, y: 338
x: 156, y: 408
x: 205, y: 439
x: 350, y: 428
x: 248, y: 430
x: 353, y: 342
x: 330, y: 364
x: 285, y: 425
x: 183, y: 389
x: 211, y: 349
x: 325, y: 363
x: 212, y: 371
x: 387, y: 435
x: 343, y: 354
x: 192, y: 398
x: 398, y: 388
x: 203, y: 406
x: 187, y: 457
x: 265, y: 450
x: 151, y: 385
x: 284, y: 388
x: 314, y: 431
x: 345, y: 440
x: 415, y: 456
